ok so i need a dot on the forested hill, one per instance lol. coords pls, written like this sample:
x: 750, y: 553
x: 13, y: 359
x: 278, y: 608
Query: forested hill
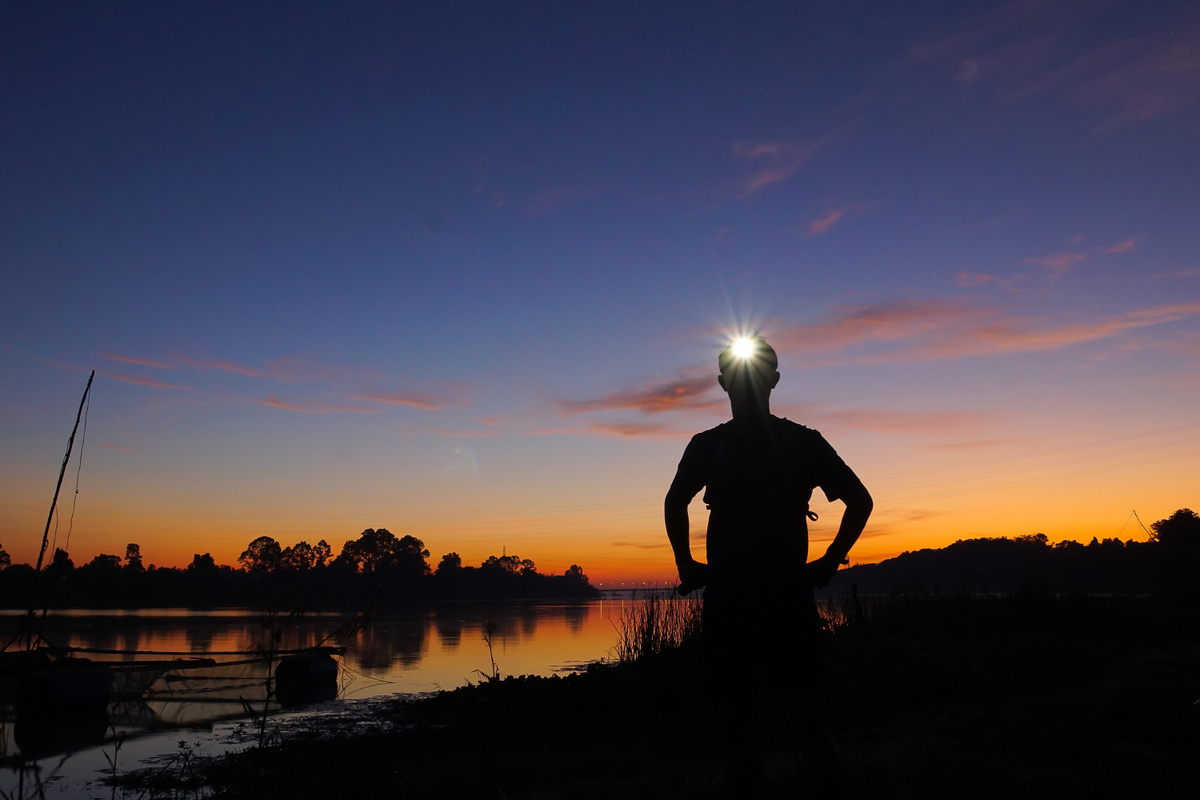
x: 1168, y: 562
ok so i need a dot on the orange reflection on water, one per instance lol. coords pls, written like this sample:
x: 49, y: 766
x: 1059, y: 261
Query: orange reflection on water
x: 398, y: 652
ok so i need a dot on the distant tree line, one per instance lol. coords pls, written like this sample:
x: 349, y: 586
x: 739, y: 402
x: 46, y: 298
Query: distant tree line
x: 1168, y: 563
x: 377, y: 569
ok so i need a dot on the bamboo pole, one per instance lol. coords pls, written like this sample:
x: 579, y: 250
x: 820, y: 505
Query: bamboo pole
x: 62, y: 472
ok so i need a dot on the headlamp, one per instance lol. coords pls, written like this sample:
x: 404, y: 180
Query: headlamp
x: 744, y: 348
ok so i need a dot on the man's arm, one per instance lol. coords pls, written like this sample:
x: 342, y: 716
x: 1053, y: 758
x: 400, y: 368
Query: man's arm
x: 692, y: 573
x: 858, y: 509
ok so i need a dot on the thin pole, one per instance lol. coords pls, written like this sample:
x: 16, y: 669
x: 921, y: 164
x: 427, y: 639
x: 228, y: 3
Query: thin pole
x: 62, y: 472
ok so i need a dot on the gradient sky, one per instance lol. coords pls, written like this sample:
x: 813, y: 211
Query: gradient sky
x: 463, y: 270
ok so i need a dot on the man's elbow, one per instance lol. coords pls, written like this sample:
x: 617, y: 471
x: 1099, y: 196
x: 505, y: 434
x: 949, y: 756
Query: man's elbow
x: 859, y: 500
x: 675, y: 501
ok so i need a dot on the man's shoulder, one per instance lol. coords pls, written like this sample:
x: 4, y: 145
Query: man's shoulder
x: 709, y: 437
x: 785, y: 427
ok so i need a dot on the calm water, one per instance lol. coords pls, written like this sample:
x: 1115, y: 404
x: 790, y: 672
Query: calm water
x: 394, y: 654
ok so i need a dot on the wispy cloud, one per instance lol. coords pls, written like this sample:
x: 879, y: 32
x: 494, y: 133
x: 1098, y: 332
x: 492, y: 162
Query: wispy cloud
x: 1120, y: 247
x: 826, y: 221
x: 145, y: 362
x: 908, y: 331
x: 1024, y: 48
x: 629, y: 430
x: 1023, y: 335
x: 349, y: 383
x: 141, y: 381
x: 314, y: 407
x: 969, y: 279
x: 226, y: 366
x: 1134, y: 80
x: 1057, y: 264
x: 694, y: 390
x: 401, y: 398
x: 783, y: 159
x: 893, y: 321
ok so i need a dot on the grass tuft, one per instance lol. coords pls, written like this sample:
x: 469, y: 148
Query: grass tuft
x: 656, y: 623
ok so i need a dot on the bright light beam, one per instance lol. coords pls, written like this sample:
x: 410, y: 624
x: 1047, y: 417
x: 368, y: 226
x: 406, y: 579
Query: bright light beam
x: 743, y: 347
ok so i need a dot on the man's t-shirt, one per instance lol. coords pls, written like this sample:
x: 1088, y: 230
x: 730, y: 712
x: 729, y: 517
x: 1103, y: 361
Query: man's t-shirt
x: 759, y: 477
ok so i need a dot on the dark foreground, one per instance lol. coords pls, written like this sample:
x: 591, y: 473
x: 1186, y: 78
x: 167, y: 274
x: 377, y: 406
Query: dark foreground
x: 1020, y: 697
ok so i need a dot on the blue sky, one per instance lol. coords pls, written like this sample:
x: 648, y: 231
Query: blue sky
x: 463, y: 270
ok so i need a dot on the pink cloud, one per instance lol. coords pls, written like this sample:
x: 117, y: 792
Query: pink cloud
x: 1057, y: 263
x: 786, y: 159
x: 151, y: 382
x: 891, y: 321
x: 289, y: 369
x: 692, y: 391
x: 968, y: 72
x: 223, y: 366
x: 1120, y: 247
x: 401, y: 398
x: 908, y: 331
x: 822, y: 224
x: 1019, y: 335
x: 145, y: 362
x: 628, y: 430
x: 968, y: 279
x: 747, y: 150
x: 313, y: 407
x: 1021, y: 49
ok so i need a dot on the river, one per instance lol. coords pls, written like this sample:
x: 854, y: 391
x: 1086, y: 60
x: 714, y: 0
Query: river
x: 208, y: 709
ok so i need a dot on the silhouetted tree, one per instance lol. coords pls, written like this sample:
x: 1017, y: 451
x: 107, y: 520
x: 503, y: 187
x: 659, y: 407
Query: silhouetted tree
x: 513, y: 565
x: 105, y: 562
x: 133, y: 558
x: 376, y: 550
x: 1033, y: 539
x: 449, y: 563
x: 1180, y: 530
x: 303, y: 556
x: 5, y: 559
x: 202, y: 563
x: 61, y: 563
x: 575, y: 572
x: 261, y: 555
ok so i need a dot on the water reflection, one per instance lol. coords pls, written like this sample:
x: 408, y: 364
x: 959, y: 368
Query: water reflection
x: 412, y: 652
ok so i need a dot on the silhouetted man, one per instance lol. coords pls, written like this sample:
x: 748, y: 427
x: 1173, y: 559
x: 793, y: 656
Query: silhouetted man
x: 760, y: 621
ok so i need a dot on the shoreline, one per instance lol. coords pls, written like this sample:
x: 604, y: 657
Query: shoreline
x: 1029, y: 696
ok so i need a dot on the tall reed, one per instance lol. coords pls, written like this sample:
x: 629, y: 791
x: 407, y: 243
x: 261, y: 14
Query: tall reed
x: 654, y: 623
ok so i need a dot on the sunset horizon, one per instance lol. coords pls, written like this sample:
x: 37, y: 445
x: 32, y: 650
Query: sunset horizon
x: 465, y: 277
